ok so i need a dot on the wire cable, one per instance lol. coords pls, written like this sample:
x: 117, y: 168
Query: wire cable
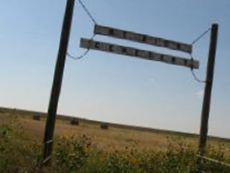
x: 82, y: 55
x: 87, y: 11
x: 79, y: 57
x: 94, y: 21
x: 214, y: 160
x: 196, y: 78
x: 200, y: 36
x: 192, y: 69
x: 194, y: 74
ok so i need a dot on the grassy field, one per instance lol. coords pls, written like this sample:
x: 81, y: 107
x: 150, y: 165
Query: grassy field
x: 88, y: 148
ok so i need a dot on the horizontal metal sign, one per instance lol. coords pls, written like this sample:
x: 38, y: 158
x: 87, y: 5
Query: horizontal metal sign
x: 129, y: 51
x: 142, y: 38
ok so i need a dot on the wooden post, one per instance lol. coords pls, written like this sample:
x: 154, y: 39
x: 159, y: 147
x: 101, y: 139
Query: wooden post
x: 57, y: 81
x: 207, y: 92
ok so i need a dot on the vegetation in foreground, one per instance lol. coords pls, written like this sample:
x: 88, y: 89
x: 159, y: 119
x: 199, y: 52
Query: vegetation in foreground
x: 20, y: 152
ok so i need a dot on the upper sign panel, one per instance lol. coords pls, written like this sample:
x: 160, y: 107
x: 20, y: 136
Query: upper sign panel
x: 142, y: 38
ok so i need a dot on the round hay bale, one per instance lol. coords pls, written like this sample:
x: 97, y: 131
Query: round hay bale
x: 104, y: 126
x: 37, y: 117
x: 74, y: 121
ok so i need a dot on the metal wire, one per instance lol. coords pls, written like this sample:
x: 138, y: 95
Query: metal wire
x: 200, y: 36
x: 87, y: 11
x: 94, y: 21
x: 214, y: 161
x: 195, y: 77
x: 79, y: 57
x: 194, y: 74
x: 193, y: 42
x: 82, y: 55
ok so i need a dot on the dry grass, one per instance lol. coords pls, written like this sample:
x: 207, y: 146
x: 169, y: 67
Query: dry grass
x: 88, y: 148
x: 111, y: 139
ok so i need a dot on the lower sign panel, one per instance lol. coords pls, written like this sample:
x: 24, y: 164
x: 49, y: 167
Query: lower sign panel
x: 129, y: 51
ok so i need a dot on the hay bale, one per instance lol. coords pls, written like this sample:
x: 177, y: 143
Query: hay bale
x: 37, y: 117
x: 104, y: 126
x: 2, y: 110
x: 74, y: 121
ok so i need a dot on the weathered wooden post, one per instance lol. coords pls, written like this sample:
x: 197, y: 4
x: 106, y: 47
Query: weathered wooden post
x: 57, y: 81
x: 207, y: 94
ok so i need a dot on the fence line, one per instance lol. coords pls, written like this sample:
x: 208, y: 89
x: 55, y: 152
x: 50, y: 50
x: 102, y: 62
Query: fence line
x: 214, y: 160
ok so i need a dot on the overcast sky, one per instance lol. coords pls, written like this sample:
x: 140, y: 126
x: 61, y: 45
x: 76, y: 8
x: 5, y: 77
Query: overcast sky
x: 109, y: 87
